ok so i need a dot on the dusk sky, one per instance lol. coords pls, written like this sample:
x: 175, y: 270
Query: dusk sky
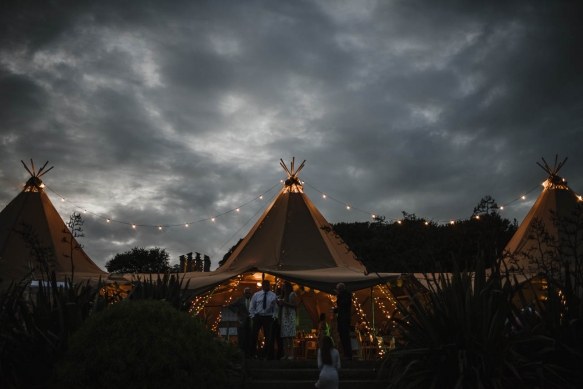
x: 171, y: 112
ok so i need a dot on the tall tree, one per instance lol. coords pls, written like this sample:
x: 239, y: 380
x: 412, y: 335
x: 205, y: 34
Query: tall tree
x: 140, y: 260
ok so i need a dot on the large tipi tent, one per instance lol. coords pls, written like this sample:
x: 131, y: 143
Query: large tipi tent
x: 294, y: 242
x: 32, y: 209
x: 528, y: 245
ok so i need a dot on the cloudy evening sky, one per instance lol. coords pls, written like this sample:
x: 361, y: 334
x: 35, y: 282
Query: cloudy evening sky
x: 168, y: 112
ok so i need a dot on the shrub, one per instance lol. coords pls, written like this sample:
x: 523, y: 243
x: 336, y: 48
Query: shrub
x: 466, y: 333
x: 142, y: 344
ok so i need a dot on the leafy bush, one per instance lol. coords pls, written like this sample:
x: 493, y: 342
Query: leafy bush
x: 466, y: 333
x: 142, y: 344
x: 34, y: 332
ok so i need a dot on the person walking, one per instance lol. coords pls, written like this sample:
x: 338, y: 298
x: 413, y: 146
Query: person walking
x: 344, y: 311
x: 263, y: 310
x: 241, y: 307
x: 329, y: 364
x: 288, y: 303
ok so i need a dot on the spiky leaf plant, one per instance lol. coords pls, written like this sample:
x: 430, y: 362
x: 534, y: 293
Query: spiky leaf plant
x: 167, y: 287
x: 466, y: 333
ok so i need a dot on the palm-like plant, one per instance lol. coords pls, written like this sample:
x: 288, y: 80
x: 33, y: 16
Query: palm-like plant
x: 465, y: 332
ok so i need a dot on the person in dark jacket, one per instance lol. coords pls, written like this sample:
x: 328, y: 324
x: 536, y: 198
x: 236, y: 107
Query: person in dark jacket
x: 343, y: 311
x: 241, y: 307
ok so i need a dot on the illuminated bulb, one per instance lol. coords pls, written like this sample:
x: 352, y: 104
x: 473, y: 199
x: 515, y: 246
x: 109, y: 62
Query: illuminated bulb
x: 398, y: 221
x: 259, y: 284
x: 62, y: 199
x: 261, y: 197
x: 373, y: 215
x: 280, y: 180
x: 348, y: 207
x: 237, y: 209
x: 523, y: 197
x: 580, y: 198
x: 426, y: 223
x: 324, y: 196
x: 501, y: 207
x: 108, y: 220
x: 84, y: 211
x: 133, y: 226
x: 213, y: 219
x: 186, y: 225
x: 451, y: 222
x: 159, y: 227
x: 477, y: 216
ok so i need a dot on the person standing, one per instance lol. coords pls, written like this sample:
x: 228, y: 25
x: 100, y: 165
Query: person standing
x: 241, y: 307
x: 329, y: 364
x: 288, y: 303
x: 262, y: 311
x: 323, y: 329
x: 276, y: 328
x: 344, y: 311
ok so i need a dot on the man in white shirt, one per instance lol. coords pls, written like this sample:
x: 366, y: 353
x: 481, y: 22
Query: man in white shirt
x: 263, y: 309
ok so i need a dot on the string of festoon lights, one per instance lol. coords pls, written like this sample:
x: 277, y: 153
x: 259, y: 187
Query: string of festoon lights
x: 399, y: 220
x: 260, y: 197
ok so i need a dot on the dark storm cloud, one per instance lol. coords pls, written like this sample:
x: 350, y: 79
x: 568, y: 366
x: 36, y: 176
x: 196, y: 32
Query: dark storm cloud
x: 170, y: 112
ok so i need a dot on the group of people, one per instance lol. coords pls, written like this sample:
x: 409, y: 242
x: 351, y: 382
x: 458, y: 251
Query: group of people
x: 275, y: 313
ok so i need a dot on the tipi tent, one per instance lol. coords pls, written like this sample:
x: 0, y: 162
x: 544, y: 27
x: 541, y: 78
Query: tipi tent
x: 294, y: 242
x: 32, y: 209
x: 540, y: 240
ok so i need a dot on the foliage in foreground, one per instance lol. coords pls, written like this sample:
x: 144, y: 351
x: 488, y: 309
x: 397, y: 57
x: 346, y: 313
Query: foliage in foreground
x: 142, y: 344
x: 466, y: 333
x: 168, y: 287
x: 34, y: 333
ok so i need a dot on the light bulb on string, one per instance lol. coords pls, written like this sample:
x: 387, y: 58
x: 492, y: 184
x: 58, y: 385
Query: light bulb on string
x: 524, y: 197
x: 133, y: 226
x: 348, y: 207
x: 186, y: 225
x: 261, y: 197
x: 159, y: 227
x: 451, y: 222
x: 213, y: 219
x: 237, y: 209
x: 62, y: 199
x: 324, y: 196
x: 108, y: 220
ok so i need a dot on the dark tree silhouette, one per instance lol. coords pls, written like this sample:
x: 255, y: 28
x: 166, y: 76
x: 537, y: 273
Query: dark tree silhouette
x: 140, y: 260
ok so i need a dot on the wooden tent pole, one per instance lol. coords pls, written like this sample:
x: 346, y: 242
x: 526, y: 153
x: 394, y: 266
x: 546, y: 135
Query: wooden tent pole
x: 372, y: 309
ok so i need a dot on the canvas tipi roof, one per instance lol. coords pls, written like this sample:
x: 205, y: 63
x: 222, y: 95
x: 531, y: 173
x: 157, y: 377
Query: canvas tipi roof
x: 556, y: 200
x: 293, y: 241
x: 33, y: 209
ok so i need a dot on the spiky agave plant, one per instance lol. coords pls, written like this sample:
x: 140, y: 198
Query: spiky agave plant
x: 464, y: 332
x: 168, y: 287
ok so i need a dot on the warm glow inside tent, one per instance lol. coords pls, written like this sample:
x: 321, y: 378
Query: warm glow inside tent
x: 292, y: 241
